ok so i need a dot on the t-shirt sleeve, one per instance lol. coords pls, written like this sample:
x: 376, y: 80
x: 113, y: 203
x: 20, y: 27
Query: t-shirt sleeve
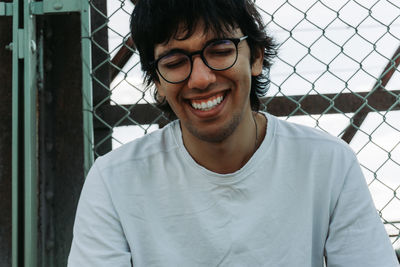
x: 98, y: 238
x: 356, y: 234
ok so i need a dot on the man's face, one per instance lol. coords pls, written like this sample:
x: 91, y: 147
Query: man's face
x: 229, y: 88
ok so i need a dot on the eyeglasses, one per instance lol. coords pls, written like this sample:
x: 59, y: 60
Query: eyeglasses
x: 177, y: 65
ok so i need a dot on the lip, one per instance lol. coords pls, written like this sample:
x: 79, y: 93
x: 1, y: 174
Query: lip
x: 206, y: 114
x: 201, y: 97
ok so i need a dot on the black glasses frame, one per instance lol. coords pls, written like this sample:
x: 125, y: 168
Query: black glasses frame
x: 235, y: 41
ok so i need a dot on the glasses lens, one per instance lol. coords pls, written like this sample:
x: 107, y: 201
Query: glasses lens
x: 174, y: 67
x: 220, y: 54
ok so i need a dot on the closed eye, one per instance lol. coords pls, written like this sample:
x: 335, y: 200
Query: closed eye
x: 173, y: 61
x: 220, y: 48
x: 174, y: 64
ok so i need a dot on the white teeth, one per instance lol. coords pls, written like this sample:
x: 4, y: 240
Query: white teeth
x: 208, y: 104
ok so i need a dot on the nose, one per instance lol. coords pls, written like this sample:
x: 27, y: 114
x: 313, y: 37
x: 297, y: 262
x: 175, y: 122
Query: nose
x: 202, y: 76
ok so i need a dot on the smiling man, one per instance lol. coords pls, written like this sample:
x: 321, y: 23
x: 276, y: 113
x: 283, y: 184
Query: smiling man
x: 225, y: 184
x: 208, y: 89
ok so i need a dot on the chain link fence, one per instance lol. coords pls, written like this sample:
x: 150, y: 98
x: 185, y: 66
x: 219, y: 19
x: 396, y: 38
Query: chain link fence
x: 337, y: 70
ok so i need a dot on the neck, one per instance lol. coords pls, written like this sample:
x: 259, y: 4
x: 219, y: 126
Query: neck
x: 233, y: 152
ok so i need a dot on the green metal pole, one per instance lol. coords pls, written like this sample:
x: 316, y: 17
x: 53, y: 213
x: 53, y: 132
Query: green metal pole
x: 30, y: 140
x: 87, y: 95
x: 15, y: 138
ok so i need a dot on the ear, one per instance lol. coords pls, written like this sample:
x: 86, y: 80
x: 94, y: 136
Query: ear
x: 257, y: 66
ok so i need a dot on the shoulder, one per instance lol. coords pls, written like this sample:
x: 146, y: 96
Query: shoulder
x: 141, y: 158
x: 141, y: 149
x: 125, y: 170
x: 301, y: 148
x: 301, y: 136
x: 291, y: 130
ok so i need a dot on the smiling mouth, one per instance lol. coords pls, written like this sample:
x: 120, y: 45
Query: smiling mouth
x: 207, y: 103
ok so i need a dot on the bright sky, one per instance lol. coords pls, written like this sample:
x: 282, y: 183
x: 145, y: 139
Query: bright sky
x: 313, y: 34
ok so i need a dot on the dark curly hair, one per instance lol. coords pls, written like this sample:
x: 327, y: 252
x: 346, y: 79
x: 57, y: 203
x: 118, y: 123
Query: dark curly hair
x: 157, y: 21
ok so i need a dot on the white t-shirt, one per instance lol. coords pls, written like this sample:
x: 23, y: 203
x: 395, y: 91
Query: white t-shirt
x: 301, y: 196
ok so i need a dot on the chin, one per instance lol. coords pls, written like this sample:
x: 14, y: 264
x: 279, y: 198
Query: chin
x: 215, y: 135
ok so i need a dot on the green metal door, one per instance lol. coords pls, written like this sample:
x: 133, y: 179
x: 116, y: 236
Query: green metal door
x: 26, y: 67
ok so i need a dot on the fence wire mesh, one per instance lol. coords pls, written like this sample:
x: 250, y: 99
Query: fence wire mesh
x: 337, y: 70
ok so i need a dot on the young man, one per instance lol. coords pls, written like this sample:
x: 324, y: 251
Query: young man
x: 225, y: 185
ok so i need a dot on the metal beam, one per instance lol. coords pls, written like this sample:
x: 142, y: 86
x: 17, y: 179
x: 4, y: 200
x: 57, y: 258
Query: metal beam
x: 55, y: 6
x: 128, y: 115
x: 378, y: 87
x: 331, y: 103
x: 17, y: 145
x: 29, y: 49
x: 123, y: 55
x: 121, y: 58
x: 279, y: 106
x: 6, y: 9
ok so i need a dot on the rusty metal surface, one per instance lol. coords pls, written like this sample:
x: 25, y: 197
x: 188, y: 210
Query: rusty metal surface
x: 61, y: 136
x: 122, y: 57
x: 101, y: 72
x: 132, y: 114
x: 278, y: 106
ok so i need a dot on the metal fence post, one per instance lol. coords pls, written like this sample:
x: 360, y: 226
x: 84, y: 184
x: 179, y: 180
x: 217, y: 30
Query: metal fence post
x: 87, y: 95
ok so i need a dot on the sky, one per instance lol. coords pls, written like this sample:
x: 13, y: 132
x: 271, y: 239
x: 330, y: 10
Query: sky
x: 355, y: 39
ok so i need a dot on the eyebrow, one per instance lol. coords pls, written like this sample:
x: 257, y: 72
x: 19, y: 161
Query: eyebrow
x: 170, y: 51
